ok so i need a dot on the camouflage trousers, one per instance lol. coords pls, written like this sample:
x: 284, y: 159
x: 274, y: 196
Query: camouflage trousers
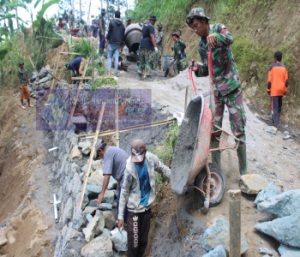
x: 145, y: 61
x: 237, y: 115
x: 181, y: 64
x: 155, y: 60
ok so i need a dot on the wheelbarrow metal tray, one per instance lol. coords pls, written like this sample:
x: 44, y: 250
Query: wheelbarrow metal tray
x: 192, y: 146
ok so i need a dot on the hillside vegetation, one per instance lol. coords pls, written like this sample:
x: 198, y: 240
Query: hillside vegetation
x: 259, y: 27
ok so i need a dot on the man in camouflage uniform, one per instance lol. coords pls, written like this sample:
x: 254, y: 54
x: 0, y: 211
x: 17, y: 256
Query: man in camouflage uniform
x: 227, y: 86
x: 179, y: 52
x: 159, y: 37
x: 147, y: 48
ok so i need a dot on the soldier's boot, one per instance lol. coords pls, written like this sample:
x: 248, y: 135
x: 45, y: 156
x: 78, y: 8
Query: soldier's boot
x: 242, y: 156
x: 216, y: 155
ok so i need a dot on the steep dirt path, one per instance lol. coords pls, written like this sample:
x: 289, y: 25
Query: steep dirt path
x: 25, y: 211
x: 269, y: 155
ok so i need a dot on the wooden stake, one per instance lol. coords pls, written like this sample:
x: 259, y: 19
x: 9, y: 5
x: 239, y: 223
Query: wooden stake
x: 186, y: 98
x: 87, y: 173
x: 235, y: 223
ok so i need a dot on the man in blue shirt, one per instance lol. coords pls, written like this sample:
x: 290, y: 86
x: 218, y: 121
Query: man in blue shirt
x: 76, y: 66
x: 138, y: 194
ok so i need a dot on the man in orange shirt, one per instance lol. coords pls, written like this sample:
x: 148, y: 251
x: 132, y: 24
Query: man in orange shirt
x: 277, y: 86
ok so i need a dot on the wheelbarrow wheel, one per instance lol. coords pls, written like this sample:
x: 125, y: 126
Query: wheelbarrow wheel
x: 217, y: 184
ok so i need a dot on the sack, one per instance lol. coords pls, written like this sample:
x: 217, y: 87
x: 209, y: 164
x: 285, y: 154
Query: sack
x: 119, y: 239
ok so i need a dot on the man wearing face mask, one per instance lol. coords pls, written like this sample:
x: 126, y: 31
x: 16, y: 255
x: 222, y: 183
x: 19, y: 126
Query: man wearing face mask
x: 138, y: 193
x: 227, y: 87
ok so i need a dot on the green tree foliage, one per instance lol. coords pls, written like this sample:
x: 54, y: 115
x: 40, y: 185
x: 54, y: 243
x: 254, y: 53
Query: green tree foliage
x: 20, y: 44
x: 170, y: 12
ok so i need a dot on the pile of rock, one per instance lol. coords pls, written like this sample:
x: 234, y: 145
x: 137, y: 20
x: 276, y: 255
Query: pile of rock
x: 90, y: 231
x: 285, y: 227
x: 216, y: 239
x: 40, y: 81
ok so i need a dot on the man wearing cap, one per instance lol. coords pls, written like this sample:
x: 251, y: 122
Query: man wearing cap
x: 138, y: 193
x: 147, y: 48
x: 227, y: 87
x: 114, y: 163
x: 179, y: 52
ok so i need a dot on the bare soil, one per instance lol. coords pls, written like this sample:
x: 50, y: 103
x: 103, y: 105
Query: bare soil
x: 25, y: 210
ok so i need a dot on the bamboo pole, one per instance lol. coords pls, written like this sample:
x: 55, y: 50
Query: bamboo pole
x: 69, y: 53
x: 112, y: 132
x: 90, y: 78
x: 87, y: 173
x: 235, y: 223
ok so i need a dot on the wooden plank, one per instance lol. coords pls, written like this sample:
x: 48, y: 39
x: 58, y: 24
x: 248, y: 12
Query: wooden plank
x: 69, y: 53
x: 90, y: 78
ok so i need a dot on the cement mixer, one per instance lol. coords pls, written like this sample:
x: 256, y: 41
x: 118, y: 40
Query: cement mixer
x: 133, y: 36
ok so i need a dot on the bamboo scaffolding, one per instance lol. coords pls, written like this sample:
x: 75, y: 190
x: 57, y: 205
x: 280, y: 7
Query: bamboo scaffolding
x: 141, y: 126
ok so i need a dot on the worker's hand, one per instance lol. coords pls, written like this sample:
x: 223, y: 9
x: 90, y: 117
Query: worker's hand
x: 155, y: 49
x: 212, y: 40
x: 120, y: 224
x: 100, y: 198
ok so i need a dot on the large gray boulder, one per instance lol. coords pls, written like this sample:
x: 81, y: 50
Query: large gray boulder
x: 109, y: 196
x: 267, y: 193
x: 105, y: 206
x: 101, y: 246
x: 96, y: 178
x: 219, y: 251
x: 110, y: 221
x: 93, y: 190
x: 286, y: 230
x: 119, y: 239
x: 281, y: 205
x: 97, y: 165
x: 218, y: 234
x: 95, y: 226
x: 75, y: 154
x: 252, y: 184
x: 85, y: 147
x: 112, y: 183
x: 286, y: 251
x: 67, y: 211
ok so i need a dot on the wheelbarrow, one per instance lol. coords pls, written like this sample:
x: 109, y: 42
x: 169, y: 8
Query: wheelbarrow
x: 191, y: 170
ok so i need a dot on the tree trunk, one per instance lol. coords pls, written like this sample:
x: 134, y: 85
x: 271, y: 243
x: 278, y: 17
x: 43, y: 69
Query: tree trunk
x: 17, y: 17
x: 80, y: 9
